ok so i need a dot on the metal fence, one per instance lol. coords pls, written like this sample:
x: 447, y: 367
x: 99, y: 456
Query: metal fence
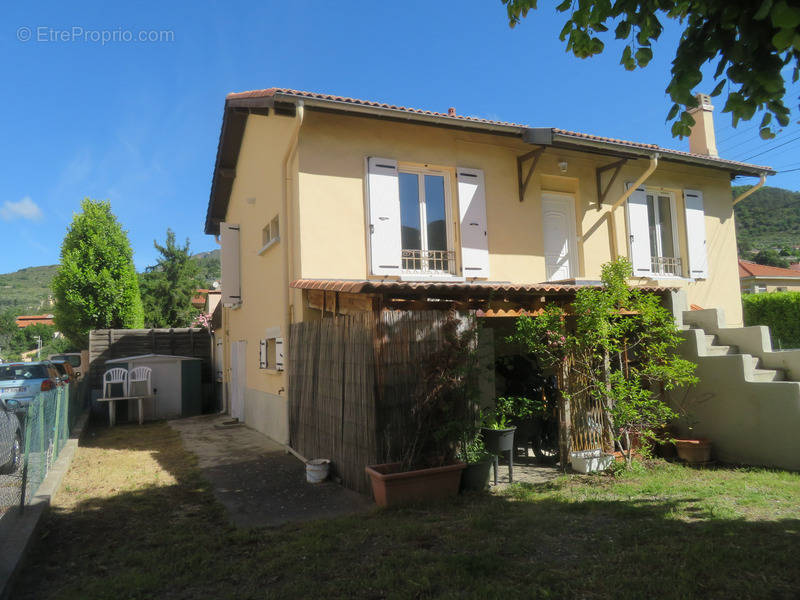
x: 45, y: 427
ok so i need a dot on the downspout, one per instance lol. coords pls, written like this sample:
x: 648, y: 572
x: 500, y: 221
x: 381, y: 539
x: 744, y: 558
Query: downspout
x: 746, y: 193
x: 288, y: 264
x: 611, y: 224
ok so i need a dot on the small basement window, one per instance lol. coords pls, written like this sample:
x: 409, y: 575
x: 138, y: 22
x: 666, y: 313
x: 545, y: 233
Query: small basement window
x: 270, y: 235
x: 271, y: 354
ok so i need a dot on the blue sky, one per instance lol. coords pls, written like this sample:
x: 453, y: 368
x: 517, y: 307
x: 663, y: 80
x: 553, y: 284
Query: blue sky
x: 137, y: 122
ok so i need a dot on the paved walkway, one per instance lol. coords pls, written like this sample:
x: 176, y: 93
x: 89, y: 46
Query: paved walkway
x: 256, y: 480
x: 526, y: 470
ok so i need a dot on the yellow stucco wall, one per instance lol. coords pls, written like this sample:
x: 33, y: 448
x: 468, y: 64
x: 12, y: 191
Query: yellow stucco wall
x: 332, y: 154
x: 256, y: 198
x: 326, y: 223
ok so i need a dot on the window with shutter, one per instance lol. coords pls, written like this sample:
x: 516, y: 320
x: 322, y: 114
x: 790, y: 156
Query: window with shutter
x: 410, y: 220
x: 271, y: 353
x: 652, y: 230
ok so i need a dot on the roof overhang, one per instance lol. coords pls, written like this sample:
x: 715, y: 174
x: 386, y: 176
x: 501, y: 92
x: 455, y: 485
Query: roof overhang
x: 568, y: 140
x: 284, y: 102
x: 495, y: 291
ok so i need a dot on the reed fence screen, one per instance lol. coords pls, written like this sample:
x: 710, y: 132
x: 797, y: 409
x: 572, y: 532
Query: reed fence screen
x: 353, y: 380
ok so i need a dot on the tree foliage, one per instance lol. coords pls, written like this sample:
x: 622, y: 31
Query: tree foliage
x: 771, y: 258
x: 606, y: 325
x: 96, y: 285
x: 169, y: 286
x: 751, y: 42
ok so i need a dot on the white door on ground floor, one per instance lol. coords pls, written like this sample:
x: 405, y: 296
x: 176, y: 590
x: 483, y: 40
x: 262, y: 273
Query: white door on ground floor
x: 238, y: 379
x: 558, y: 225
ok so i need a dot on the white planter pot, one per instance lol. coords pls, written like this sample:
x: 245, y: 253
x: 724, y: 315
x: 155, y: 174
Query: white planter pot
x: 589, y: 461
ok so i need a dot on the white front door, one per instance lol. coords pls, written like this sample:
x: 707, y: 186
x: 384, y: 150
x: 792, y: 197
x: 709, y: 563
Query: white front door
x: 238, y: 380
x: 558, y: 224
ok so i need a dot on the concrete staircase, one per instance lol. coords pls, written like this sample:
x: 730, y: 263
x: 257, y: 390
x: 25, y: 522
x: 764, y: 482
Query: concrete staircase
x: 748, y: 398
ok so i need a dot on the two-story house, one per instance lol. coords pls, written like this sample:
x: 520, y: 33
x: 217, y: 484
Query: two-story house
x: 325, y: 204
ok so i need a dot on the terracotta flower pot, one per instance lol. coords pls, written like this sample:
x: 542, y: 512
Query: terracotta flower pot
x: 694, y: 451
x: 392, y: 487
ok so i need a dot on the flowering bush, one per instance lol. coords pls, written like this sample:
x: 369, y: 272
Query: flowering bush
x: 616, y: 344
x: 202, y: 320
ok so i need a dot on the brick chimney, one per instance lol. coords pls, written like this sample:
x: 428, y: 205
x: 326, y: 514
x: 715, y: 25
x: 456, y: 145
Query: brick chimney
x: 702, y: 139
x: 451, y: 111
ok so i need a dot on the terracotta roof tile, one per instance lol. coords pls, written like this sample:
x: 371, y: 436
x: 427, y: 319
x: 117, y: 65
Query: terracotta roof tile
x: 270, y: 92
x: 433, y: 288
x: 751, y: 269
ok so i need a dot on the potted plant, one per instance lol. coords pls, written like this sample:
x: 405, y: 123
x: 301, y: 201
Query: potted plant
x: 497, y: 432
x: 498, y: 436
x: 690, y: 448
x: 428, y: 467
x: 475, y: 476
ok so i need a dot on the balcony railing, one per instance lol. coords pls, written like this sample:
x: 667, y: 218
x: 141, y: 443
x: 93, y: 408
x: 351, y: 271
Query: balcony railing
x: 428, y: 262
x: 666, y: 265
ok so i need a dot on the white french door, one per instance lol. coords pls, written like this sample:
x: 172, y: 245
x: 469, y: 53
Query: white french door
x: 560, y: 240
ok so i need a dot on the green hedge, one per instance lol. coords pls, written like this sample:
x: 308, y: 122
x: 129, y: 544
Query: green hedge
x: 780, y: 311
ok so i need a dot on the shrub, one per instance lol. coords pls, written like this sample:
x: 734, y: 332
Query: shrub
x: 780, y: 311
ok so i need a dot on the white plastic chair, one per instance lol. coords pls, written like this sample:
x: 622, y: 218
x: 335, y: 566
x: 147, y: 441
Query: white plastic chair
x: 112, y: 377
x: 138, y: 378
x: 140, y: 375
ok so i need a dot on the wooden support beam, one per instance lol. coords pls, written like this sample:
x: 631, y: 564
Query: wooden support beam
x: 523, y: 184
x: 602, y: 193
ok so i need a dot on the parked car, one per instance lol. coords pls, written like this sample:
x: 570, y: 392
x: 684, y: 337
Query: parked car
x: 65, y: 370
x: 78, y: 360
x: 10, y: 439
x: 20, y: 382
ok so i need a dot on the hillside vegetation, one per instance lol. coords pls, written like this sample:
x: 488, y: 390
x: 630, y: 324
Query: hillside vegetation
x: 28, y: 290
x: 769, y: 218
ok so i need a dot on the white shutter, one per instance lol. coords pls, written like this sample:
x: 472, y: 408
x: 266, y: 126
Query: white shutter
x: 262, y: 354
x: 279, y: 354
x: 639, y: 233
x: 383, y: 190
x: 229, y: 260
x: 474, y: 230
x: 696, y: 234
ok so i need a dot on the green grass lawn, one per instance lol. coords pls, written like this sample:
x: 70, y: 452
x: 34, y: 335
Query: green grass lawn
x: 135, y: 519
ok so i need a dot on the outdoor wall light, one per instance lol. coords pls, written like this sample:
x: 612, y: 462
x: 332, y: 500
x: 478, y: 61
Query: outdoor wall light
x: 562, y: 165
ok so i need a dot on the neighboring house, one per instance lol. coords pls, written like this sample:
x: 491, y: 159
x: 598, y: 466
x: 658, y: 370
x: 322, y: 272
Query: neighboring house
x: 199, y: 299
x: 327, y: 205
x: 756, y: 278
x: 28, y: 320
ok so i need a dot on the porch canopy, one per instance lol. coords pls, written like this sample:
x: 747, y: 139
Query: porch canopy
x: 489, y: 299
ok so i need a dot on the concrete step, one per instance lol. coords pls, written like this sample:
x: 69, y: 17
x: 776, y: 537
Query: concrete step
x: 768, y: 375
x: 722, y: 350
